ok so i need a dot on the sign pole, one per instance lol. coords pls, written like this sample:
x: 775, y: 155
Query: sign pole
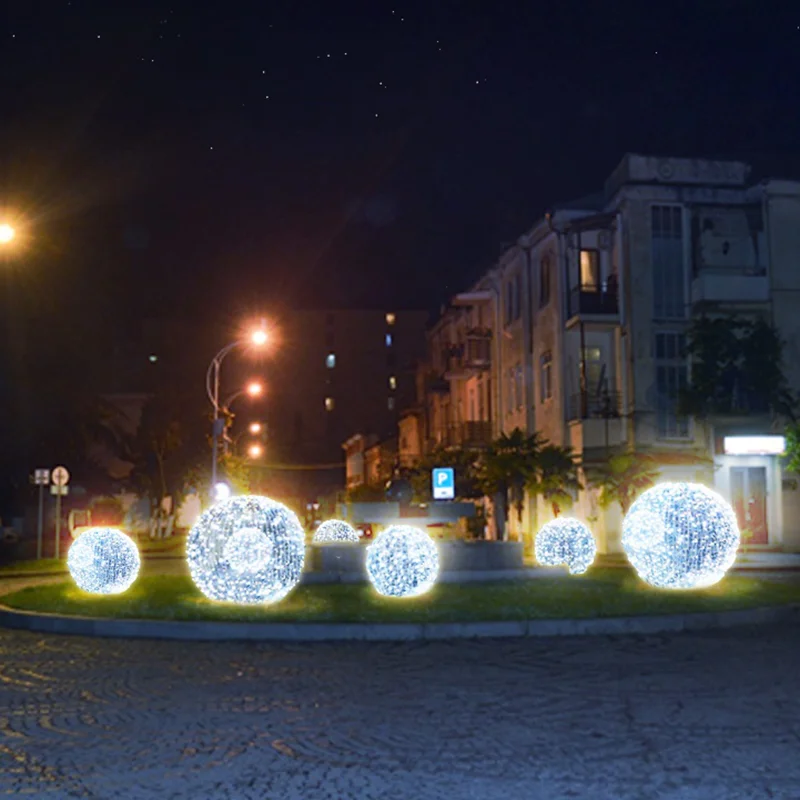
x: 40, y: 526
x: 58, y: 522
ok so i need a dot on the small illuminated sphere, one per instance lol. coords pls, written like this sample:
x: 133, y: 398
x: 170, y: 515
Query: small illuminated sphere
x: 681, y: 536
x: 335, y: 530
x: 566, y: 541
x: 247, y: 550
x: 103, y: 561
x: 402, y: 562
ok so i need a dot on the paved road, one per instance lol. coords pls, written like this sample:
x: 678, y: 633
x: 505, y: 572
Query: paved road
x: 713, y: 716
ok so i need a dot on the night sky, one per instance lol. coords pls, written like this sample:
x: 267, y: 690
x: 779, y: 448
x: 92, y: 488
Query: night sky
x: 214, y: 157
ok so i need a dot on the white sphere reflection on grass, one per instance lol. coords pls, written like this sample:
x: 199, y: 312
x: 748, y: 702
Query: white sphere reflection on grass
x: 335, y: 530
x: 103, y: 561
x: 402, y: 562
x: 681, y: 536
x: 568, y: 541
x: 247, y: 550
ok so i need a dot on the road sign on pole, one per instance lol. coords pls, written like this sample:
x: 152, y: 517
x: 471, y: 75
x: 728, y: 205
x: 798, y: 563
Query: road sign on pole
x: 444, y: 483
x: 41, y: 477
x: 60, y: 478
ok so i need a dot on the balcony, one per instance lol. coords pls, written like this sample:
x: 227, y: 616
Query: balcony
x: 583, y: 405
x: 469, y: 434
x: 472, y: 355
x: 593, y: 301
x: 730, y: 287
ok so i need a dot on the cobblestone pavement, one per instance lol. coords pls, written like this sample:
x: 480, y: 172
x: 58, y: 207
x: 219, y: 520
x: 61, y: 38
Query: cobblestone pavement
x: 711, y: 716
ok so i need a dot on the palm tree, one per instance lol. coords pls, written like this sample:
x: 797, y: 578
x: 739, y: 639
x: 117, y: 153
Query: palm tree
x: 556, y: 476
x: 506, y: 469
x: 622, y: 477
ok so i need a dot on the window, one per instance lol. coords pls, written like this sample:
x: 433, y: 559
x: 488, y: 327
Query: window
x: 518, y: 390
x: 513, y: 298
x: 545, y: 376
x: 669, y: 292
x: 153, y: 359
x: 390, y: 403
x: 671, y: 378
x: 544, y: 281
x: 593, y: 363
x: 392, y: 382
x: 330, y: 360
x: 390, y: 319
x: 590, y: 271
x: 329, y: 404
x: 389, y: 340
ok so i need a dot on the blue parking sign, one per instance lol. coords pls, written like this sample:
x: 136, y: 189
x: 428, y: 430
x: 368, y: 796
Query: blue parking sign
x: 444, y: 483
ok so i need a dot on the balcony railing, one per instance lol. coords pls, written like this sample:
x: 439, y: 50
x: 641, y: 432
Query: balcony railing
x: 584, y: 405
x: 466, y: 434
x: 602, y: 299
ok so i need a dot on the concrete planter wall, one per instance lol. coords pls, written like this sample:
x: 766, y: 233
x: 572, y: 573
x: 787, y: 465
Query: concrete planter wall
x: 479, y: 556
x: 336, y: 558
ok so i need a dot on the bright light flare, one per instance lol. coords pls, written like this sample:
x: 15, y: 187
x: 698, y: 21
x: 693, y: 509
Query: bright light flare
x: 255, y: 428
x: 255, y: 451
x: 259, y: 338
x: 255, y: 389
x: 7, y: 233
x: 221, y: 491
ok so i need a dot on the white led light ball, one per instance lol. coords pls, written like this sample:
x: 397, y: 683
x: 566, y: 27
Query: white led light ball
x: 334, y: 530
x: 103, y: 561
x: 566, y: 541
x: 247, y: 550
x: 402, y: 562
x: 681, y: 536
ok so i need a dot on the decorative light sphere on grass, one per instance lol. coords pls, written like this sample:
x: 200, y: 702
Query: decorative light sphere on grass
x: 247, y: 550
x: 402, y: 562
x: 103, y: 561
x: 566, y: 541
x: 681, y: 536
x: 335, y: 530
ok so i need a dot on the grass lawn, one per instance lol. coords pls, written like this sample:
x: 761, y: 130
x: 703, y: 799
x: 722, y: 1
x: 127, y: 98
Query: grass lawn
x: 599, y: 593
x: 33, y: 566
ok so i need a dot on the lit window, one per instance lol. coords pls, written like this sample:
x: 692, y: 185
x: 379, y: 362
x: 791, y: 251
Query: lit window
x: 330, y: 361
x: 329, y: 404
x: 389, y: 340
x: 392, y: 382
x: 590, y: 270
x: 390, y: 404
x: 390, y: 319
x: 153, y: 359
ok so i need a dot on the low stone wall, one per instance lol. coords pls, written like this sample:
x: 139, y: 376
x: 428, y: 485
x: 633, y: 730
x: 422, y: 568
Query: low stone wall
x: 337, y: 558
x: 480, y: 556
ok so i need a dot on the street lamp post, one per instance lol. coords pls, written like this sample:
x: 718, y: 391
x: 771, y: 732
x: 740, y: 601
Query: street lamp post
x: 258, y: 338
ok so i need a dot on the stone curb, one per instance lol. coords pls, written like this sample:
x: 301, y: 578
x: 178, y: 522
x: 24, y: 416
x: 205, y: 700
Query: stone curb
x: 363, y: 631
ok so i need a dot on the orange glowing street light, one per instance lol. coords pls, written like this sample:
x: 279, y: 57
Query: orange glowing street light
x: 255, y: 428
x: 259, y: 337
x: 255, y: 389
x: 255, y: 451
x: 7, y: 233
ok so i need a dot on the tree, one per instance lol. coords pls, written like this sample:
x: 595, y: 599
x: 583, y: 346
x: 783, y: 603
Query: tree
x: 622, y: 477
x: 506, y: 468
x: 736, y: 368
x: 555, y: 476
x: 792, y: 434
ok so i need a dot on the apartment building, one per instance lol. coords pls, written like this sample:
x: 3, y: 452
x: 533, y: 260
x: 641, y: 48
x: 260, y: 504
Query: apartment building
x: 583, y: 326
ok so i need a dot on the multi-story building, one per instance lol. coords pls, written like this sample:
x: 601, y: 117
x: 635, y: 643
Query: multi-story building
x: 587, y: 317
x: 334, y: 373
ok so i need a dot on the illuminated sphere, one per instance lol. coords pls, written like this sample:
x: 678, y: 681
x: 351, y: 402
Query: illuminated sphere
x: 402, y: 562
x: 103, y: 561
x: 680, y: 536
x: 247, y: 550
x: 566, y: 541
x: 334, y: 530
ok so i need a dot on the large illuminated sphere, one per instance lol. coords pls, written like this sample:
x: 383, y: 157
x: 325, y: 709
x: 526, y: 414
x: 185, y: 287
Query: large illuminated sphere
x: 681, y: 536
x: 103, y: 561
x: 334, y: 530
x: 246, y: 550
x: 566, y: 541
x: 402, y: 562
